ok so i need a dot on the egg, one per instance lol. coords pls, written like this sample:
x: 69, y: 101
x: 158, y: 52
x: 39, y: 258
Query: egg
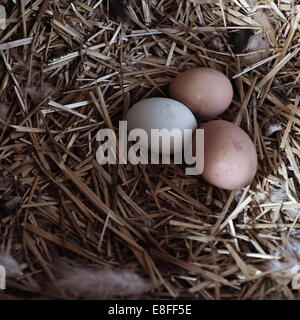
x: 161, y: 113
x: 205, y: 91
x: 230, y: 158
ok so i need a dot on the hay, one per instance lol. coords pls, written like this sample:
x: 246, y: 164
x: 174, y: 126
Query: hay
x: 70, y: 68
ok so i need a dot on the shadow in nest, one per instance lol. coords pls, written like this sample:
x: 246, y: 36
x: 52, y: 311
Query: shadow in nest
x: 117, y: 9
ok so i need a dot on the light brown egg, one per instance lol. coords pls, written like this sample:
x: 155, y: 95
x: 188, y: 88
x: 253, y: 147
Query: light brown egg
x: 230, y: 158
x: 207, y: 92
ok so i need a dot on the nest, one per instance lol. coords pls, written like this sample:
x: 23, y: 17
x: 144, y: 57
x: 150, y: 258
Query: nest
x: 70, y: 68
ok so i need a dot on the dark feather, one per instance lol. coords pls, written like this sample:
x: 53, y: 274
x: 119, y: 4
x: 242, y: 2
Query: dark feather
x: 239, y: 40
x: 118, y: 9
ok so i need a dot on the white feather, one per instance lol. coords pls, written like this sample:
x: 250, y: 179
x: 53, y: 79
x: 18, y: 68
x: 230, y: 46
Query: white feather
x: 94, y: 283
x: 271, y: 128
x: 288, y: 267
x: 277, y: 195
x: 12, y: 268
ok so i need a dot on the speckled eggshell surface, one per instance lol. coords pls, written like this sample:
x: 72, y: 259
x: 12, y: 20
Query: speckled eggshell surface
x: 230, y: 158
x: 161, y: 113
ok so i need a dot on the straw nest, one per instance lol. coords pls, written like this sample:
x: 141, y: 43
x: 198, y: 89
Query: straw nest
x: 69, y: 68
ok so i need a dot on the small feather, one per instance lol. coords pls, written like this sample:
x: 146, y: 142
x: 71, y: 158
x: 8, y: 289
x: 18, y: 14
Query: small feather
x: 239, y: 40
x: 95, y: 283
x: 37, y: 93
x: 4, y: 109
x: 292, y: 266
x: 272, y: 127
x: 12, y: 268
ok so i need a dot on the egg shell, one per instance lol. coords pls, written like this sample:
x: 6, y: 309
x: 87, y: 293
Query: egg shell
x: 205, y: 91
x: 161, y: 113
x: 230, y: 158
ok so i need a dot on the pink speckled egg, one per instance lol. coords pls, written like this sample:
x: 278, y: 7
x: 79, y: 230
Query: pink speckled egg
x: 230, y: 158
